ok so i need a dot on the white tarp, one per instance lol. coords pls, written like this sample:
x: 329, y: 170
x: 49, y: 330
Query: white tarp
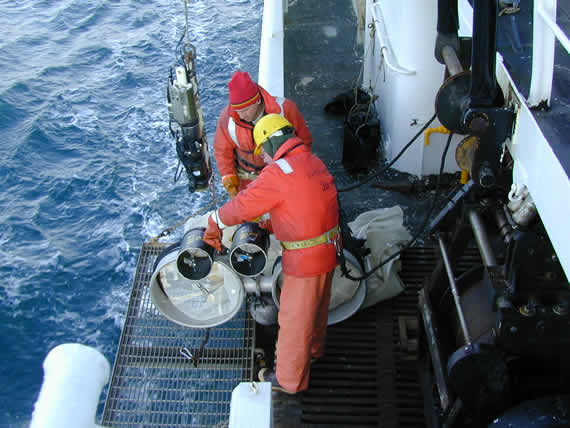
x: 385, y: 234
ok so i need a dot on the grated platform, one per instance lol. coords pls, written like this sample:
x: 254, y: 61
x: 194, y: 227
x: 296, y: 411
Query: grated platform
x: 154, y: 385
x: 369, y: 375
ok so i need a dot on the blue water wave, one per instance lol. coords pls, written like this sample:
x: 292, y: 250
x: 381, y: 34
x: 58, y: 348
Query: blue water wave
x: 87, y: 162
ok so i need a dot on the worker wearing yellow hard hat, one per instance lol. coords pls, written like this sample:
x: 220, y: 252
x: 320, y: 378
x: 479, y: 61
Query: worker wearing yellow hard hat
x: 298, y: 191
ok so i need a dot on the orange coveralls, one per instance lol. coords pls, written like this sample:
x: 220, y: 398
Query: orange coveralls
x: 228, y: 155
x: 300, y: 195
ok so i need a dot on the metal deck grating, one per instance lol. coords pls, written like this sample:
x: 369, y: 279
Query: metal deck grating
x: 369, y: 375
x: 153, y: 385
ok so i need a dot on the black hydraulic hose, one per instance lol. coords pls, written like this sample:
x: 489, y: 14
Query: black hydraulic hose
x: 393, y: 161
x: 200, y: 351
x: 447, y: 17
x: 420, y: 231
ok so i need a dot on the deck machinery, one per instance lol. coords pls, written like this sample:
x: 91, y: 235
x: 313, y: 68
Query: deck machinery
x: 495, y: 338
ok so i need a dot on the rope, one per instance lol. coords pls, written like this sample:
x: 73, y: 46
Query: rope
x: 185, y: 352
x: 372, y: 87
x: 170, y: 229
x: 186, y: 21
x: 201, y: 350
x: 200, y: 212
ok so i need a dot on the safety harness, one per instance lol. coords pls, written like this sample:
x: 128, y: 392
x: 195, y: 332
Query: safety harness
x: 330, y: 237
x: 246, y: 175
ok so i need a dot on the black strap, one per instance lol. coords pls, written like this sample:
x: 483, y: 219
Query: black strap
x: 200, y: 351
x: 249, y: 152
x: 245, y: 163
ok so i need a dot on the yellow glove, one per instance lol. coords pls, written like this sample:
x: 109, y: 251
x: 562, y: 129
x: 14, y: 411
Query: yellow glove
x: 231, y: 183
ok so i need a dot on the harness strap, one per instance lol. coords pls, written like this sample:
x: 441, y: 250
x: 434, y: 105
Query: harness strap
x: 246, y: 175
x: 232, y: 131
x: 241, y: 160
x: 329, y: 237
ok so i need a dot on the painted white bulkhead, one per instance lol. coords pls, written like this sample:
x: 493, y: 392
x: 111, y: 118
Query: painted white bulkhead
x: 400, y: 69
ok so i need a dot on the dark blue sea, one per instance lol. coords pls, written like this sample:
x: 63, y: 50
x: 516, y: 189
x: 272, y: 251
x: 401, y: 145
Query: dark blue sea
x: 88, y: 163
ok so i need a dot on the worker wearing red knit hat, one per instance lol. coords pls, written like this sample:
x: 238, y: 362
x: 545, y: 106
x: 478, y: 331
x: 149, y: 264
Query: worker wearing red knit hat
x: 234, y: 145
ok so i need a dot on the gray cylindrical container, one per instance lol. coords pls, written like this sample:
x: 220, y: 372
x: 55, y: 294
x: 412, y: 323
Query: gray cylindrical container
x: 263, y: 310
x: 195, y: 257
x: 248, y: 253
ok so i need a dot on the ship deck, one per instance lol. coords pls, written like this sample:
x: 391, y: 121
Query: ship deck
x: 323, y: 60
x: 369, y: 375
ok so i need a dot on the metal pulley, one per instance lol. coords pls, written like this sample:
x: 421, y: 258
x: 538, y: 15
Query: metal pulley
x: 452, y: 100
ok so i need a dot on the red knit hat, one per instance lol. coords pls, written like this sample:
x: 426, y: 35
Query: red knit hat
x: 243, y: 92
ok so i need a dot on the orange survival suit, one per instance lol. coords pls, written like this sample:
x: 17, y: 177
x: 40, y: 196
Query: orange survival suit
x: 301, y: 197
x: 234, y: 145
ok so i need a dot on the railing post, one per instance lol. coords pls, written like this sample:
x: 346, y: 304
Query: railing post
x: 74, y: 376
x: 271, y: 71
x: 542, y: 54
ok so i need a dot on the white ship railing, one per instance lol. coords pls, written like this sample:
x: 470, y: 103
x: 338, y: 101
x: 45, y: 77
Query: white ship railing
x: 535, y: 164
x: 74, y: 376
x: 271, y: 71
x: 545, y: 33
x: 387, y: 51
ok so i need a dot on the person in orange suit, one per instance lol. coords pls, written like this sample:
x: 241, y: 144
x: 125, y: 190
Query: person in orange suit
x: 233, y: 143
x: 299, y: 193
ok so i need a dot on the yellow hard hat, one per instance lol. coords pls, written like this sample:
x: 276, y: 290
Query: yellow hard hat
x: 267, y: 126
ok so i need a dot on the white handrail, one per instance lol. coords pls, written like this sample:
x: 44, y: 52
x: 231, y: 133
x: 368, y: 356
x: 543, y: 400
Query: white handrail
x: 271, y: 70
x: 385, y: 46
x: 74, y: 376
x: 555, y: 28
x: 545, y: 30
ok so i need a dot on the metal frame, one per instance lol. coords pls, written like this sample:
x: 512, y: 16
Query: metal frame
x: 154, y: 383
x: 535, y: 164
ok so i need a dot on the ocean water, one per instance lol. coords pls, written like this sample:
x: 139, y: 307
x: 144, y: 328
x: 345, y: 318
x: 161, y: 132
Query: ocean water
x: 87, y: 162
